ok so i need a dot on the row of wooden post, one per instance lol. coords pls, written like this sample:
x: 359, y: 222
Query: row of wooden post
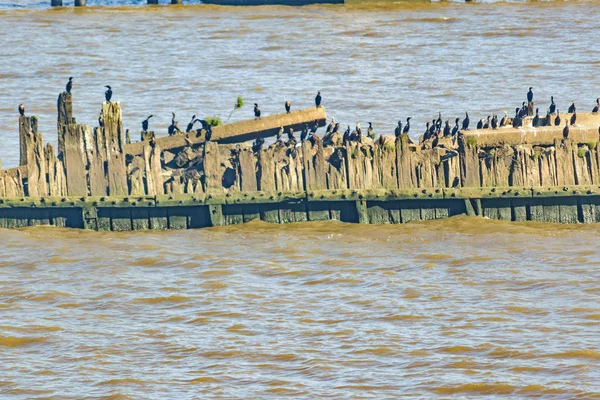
x: 82, y: 3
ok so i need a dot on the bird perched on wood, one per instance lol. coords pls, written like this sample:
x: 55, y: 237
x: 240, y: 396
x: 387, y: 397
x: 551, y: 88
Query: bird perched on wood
x: 536, y: 119
x: 494, y: 123
x: 574, y: 117
x: 280, y: 134
x: 173, y: 128
x: 145, y: 123
x: 70, y: 85
x: 447, y: 130
x: 330, y: 126
x: 465, y: 123
x: 314, y: 129
x: 318, y: 99
x: 290, y: 134
x: 398, y: 130
x: 407, y: 126
x: 504, y: 120
x: 21, y: 110
x: 427, y: 133
x: 336, y: 128
x: 346, y: 137
x: 101, y: 119
x: 108, y: 94
x: 557, y: 119
x: 566, y: 130
x: 552, y: 107
x: 288, y: 107
x: 358, y: 132
x: 190, y: 126
x: 597, y: 108
x: 524, y: 110
x: 304, y: 133
x: 438, y: 122
x: 456, y: 128
x: 256, y: 111
x: 480, y: 123
x: 571, y: 108
x: 530, y: 95
x: 432, y: 128
x: 258, y: 144
x: 547, y: 118
x: 371, y: 131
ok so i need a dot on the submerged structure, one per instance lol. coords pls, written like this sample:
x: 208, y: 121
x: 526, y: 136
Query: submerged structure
x: 98, y: 180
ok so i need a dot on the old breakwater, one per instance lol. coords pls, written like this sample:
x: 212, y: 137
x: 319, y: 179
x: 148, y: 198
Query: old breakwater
x: 98, y: 180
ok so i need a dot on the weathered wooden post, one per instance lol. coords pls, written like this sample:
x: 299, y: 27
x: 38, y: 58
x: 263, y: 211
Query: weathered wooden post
x: 152, y: 1
x: 80, y: 3
x: 115, y: 140
x: 176, y: 1
x: 56, y: 3
x: 65, y: 117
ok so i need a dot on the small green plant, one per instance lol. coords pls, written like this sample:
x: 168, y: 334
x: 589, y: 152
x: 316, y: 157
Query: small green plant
x: 471, y: 141
x: 354, y: 152
x: 582, y: 152
x: 592, y: 144
x: 389, y: 146
x: 214, y: 121
x: 537, y: 155
x: 239, y: 103
x: 492, y: 152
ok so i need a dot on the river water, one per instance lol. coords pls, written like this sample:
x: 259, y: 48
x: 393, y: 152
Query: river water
x: 461, y: 308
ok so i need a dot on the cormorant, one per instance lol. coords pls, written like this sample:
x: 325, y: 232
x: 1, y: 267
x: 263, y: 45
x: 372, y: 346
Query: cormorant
x: 547, y: 119
x: 407, y: 126
x: 21, y: 110
x: 318, y: 100
x: 108, y: 93
x: 313, y: 130
x: 304, y: 133
x: 101, y: 119
x: 398, y: 130
x: 206, y: 126
x: 557, y: 119
x: 480, y: 124
x: 574, y: 118
x: 597, y: 108
x: 371, y: 131
x: 258, y: 144
x: 465, y: 123
x: 438, y: 122
x: 173, y: 128
x: 494, y: 123
x: 256, y: 111
x: 70, y: 85
x: 145, y: 124
x: 336, y: 128
x: 536, y: 119
x: 190, y: 126
x: 504, y: 119
x: 288, y: 107
x: 566, y: 130
x: 432, y: 128
x: 280, y: 134
x: 456, y: 128
x: 530, y: 95
x: 523, y: 113
x: 447, y: 130
x: 571, y: 108
x: 290, y: 134
x: 552, y: 105
x: 427, y: 133
x: 358, y: 132
x: 330, y: 126
x: 346, y: 137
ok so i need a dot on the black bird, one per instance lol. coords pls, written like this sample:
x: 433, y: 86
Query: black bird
x: 190, y: 126
x: 597, y: 108
x: 465, y: 123
x: 432, y: 128
x: 494, y: 123
x: 530, y: 95
x: 447, y: 130
x: 524, y: 111
x: 574, y: 118
x: 206, y: 126
x: 566, y: 130
x: 552, y: 105
x: 288, y: 106
x: 438, y: 122
x: 173, y: 128
x: 547, y: 119
x: 427, y: 133
x: 557, y: 119
x: 313, y: 130
x: 101, y: 119
x: 346, y: 137
x: 486, y: 124
x: 256, y: 111
x: 456, y: 128
x: 21, y: 110
x: 358, y: 132
x: 371, y: 131
x: 145, y: 124
x: 480, y: 124
x: 330, y: 126
x: 318, y: 100
x: 336, y: 128
x: 70, y: 85
x: 536, y: 119
x: 280, y: 134
x: 571, y: 108
x: 290, y: 134
x: 407, y: 126
x: 304, y: 133
x: 258, y: 144
x: 398, y: 130
x: 108, y: 93
x: 504, y: 119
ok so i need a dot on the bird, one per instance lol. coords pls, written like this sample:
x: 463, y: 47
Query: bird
x: 523, y: 112
x: 173, y: 128
x: 552, y: 105
x: 480, y: 124
x: 574, y: 118
x: 447, y: 129
x: 330, y: 126
x: 318, y: 99
x: 536, y: 119
x: 597, y: 108
x: 21, y: 110
x: 108, y: 93
x: 504, y: 119
x: 70, y: 85
x: 407, y: 126
x: 530, y: 95
x: 456, y: 128
x: 145, y: 124
x: 371, y: 131
x: 438, y: 122
x: 427, y: 133
x: 432, y: 128
x: 258, y: 144
x: 547, y: 119
x: 557, y: 119
x: 398, y: 131
x: 571, y: 108
x: 566, y: 130
x: 290, y: 134
x: 288, y: 107
x: 256, y: 111
x: 190, y: 126
x: 346, y: 137
x: 313, y: 130
x: 465, y: 123
x: 304, y: 133
x: 280, y: 134
x: 336, y: 128
x: 494, y: 123
x: 101, y: 119
x: 358, y: 132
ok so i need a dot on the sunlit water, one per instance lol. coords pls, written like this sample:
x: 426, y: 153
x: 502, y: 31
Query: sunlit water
x: 461, y: 308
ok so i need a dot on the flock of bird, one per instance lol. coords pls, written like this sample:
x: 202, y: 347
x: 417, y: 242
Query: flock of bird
x: 433, y: 130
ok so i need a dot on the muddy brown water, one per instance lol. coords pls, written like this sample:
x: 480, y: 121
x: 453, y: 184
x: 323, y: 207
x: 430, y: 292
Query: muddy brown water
x: 461, y: 308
